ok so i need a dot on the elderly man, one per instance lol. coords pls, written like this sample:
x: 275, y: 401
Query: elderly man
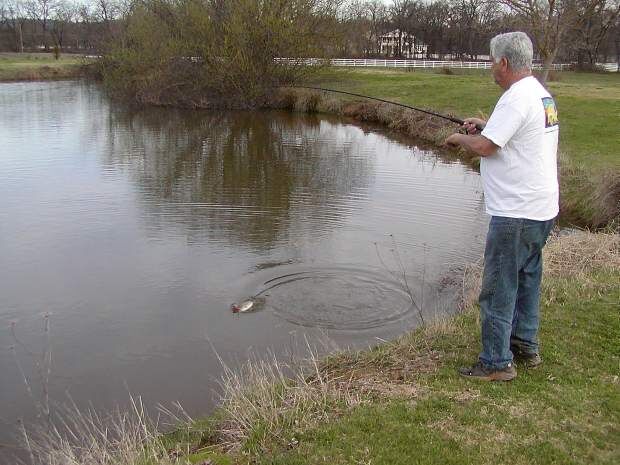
x: 518, y: 146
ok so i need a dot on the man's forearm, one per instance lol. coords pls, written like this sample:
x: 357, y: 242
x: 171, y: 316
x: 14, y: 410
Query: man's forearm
x: 477, y: 144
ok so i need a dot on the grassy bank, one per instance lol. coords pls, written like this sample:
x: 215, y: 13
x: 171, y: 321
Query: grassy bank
x: 39, y: 66
x: 403, y: 403
x: 588, y: 103
x: 567, y: 411
x: 589, y: 106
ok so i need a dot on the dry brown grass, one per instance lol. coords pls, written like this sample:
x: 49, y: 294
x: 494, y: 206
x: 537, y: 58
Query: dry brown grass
x: 575, y: 253
x: 85, y: 437
x: 265, y: 400
x: 412, y: 123
x: 606, y: 199
x: 570, y: 253
x: 589, y: 197
x: 44, y: 72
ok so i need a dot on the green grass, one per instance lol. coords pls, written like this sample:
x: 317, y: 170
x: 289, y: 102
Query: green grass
x: 588, y: 103
x: 565, y: 412
x: 38, y: 66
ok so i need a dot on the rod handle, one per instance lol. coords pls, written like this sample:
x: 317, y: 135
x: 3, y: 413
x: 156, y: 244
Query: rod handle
x: 459, y: 121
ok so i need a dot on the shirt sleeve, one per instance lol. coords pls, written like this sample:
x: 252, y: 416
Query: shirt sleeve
x: 504, y: 122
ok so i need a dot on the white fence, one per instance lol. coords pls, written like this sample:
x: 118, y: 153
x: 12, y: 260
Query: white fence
x: 374, y: 63
x: 429, y: 64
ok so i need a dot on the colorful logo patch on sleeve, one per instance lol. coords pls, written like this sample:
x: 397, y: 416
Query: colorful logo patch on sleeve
x: 551, y: 112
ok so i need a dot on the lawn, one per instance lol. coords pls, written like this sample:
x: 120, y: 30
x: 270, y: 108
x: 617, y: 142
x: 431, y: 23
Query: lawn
x: 588, y: 103
x: 38, y: 66
x: 564, y: 412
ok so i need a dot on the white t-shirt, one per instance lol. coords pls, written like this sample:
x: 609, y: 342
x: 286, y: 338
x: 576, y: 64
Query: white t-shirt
x: 520, y: 180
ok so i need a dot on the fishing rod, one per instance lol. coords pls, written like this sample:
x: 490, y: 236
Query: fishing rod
x: 458, y: 121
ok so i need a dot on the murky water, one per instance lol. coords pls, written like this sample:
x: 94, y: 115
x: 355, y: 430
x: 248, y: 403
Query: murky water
x: 135, y: 231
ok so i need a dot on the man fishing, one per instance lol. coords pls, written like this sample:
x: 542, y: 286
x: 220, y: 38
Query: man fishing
x: 518, y: 167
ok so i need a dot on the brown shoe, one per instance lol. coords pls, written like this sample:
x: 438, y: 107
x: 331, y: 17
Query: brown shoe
x: 478, y: 371
x: 525, y: 359
x: 528, y: 360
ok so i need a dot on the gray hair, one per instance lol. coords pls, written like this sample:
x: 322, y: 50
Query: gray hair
x: 516, y: 47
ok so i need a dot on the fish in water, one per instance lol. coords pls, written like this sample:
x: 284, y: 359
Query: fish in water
x: 243, y: 307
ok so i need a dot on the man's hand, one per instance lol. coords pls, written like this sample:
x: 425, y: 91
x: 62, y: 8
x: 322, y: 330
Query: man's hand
x: 469, y: 124
x: 453, y: 140
x: 480, y: 145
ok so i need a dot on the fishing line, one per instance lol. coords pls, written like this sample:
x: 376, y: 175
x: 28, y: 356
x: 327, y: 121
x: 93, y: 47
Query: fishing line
x: 458, y: 121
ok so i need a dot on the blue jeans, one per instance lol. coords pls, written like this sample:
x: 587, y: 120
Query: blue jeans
x: 510, y: 291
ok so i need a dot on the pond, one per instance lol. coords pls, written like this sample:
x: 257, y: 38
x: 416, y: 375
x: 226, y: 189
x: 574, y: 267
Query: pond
x: 133, y: 232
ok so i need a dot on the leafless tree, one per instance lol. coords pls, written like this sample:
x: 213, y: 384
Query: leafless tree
x: 472, y: 23
x: 64, y: 16
x: 40, y: 11
x: 378, y: 17
x: 107, y: 11
x: 596, y: 19
x: 401, y: 13
x: 365, y: 21
x: 13, y: 17
x: 435, y: 21
x: 549, y: 21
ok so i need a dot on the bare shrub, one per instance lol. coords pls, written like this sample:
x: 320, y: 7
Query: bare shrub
x: 283, y: 98
x: 362, y: 111
x: 387, y: 114
x: 330, y: 105
x: 216, y: 54
x: 420, y: 125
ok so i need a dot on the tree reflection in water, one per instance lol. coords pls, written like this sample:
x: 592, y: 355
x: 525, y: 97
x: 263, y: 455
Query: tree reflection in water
x: 240, y: 177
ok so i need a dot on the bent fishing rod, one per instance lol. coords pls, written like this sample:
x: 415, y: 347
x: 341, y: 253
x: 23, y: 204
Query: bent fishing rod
x: 458, y: 121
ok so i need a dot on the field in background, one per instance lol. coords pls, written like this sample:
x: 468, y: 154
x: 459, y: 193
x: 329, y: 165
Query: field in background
x: 588, y: 103
x: 38, y: 66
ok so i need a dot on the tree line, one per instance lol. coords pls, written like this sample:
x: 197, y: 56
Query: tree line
x: 581, y: 31
x: 64, y: 25
x: 225, y: 52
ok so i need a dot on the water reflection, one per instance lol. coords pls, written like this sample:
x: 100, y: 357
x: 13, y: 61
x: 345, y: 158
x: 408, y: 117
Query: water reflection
x: 137, y: 230
x: 236, y: 176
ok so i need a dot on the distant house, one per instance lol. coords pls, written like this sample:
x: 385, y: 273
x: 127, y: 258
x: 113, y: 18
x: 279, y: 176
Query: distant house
x: 397, y: 44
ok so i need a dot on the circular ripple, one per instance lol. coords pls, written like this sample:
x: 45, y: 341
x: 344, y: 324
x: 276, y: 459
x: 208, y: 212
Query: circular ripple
x: 337, y: 298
